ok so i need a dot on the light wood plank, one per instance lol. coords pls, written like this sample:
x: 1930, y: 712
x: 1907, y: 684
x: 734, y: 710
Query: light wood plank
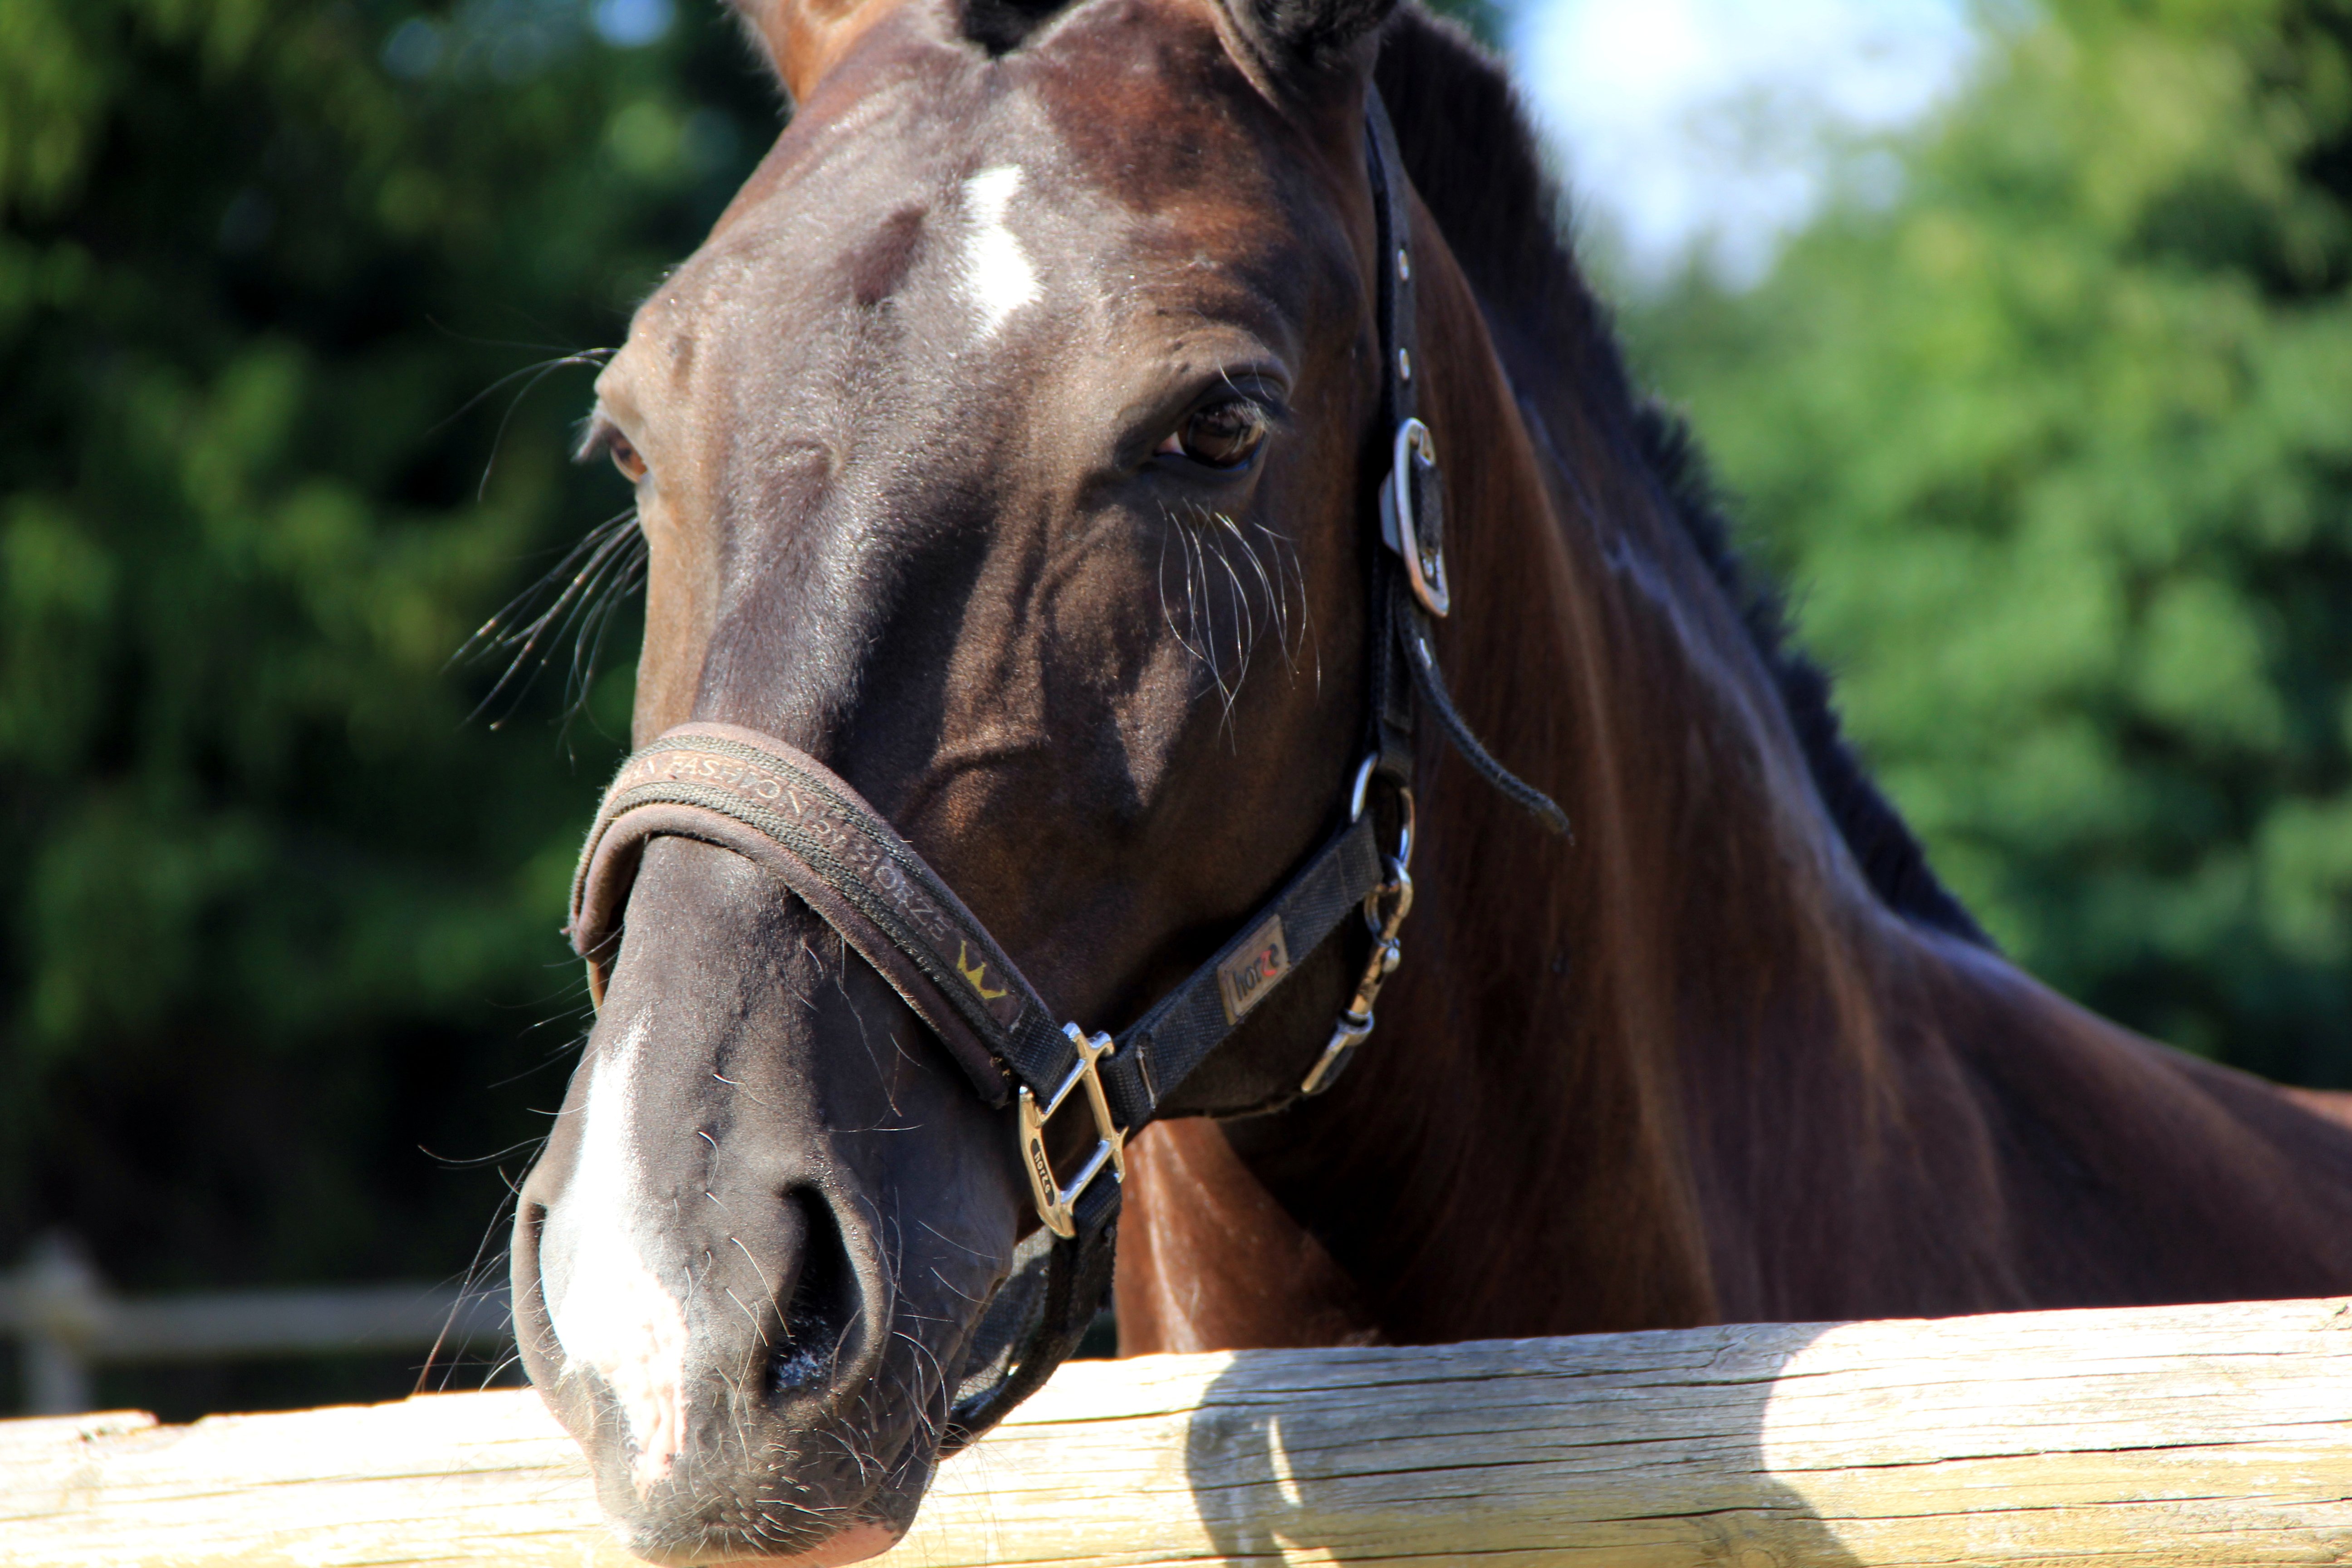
x: 2171, y: 1438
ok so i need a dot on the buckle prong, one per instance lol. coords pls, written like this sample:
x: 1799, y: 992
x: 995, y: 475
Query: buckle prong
x: 1057, y: 1203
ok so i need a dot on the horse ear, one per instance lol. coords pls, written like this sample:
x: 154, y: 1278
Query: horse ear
x: 803, y: 38
x: 1304, y: 40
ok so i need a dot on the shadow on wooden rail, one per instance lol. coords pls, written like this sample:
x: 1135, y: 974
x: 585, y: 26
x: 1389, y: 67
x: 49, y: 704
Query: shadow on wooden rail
x: 1641, y: 1447
x: 2177, y: 1436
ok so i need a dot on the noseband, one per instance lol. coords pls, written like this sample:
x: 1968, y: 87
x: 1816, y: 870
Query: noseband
x: 781, y: 809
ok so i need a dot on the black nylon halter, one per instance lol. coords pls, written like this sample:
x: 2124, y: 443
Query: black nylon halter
x: 777, y: 805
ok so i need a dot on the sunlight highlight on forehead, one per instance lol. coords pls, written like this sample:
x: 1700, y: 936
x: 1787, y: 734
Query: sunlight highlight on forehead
x: 997, y: 276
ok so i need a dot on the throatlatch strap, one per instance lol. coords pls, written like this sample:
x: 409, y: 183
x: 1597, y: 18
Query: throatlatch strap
x: 1422, y: 656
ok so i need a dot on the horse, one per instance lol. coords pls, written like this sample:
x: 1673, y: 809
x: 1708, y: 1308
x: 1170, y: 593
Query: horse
x: 1025, y: 491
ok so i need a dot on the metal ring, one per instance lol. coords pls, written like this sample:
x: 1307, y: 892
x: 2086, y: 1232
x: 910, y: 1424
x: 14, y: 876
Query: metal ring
x: 1405, y: 800
x: 1363, y: 782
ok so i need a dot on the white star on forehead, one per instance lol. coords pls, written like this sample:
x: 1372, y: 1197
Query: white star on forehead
x: 997, y: 276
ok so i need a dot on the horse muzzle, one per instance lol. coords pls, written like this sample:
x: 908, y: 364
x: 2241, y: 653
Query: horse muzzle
x: 737, y: 1278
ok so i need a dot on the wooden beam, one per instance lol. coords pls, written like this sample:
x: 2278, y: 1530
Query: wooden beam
x: 2174, y: 1436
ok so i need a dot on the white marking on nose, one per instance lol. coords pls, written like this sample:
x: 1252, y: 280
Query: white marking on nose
x: 610, y: 1310
x: 997, y: 276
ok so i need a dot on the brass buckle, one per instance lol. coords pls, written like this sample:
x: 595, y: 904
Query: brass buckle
x: 1056, y: 1204
x: 1425, y: 571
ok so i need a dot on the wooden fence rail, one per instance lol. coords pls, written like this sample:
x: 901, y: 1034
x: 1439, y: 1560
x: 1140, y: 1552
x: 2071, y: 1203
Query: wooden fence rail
x: 2173, y: 1436
x: 68, y: 1323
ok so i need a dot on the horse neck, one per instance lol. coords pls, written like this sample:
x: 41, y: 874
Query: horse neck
x: 1570, y: 1015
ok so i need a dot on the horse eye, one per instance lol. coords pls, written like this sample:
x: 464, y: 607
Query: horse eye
x: 625, y: 458
x: 1220, y: 435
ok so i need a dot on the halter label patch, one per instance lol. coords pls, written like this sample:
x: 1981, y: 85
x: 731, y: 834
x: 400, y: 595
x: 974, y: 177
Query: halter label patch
x: 1245, y: 979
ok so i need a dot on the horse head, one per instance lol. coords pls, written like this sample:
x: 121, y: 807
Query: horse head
x: 1004, y: 454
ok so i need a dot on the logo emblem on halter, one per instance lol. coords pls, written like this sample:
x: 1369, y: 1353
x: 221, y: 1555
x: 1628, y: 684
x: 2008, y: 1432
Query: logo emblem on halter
x: 975, y: 975
x: 1245, y: 979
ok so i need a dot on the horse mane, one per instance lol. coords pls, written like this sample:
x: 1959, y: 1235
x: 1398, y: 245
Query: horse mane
x: 1474, y: 159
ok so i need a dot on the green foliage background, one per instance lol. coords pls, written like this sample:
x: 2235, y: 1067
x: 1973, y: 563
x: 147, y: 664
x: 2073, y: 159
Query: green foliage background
x: 2056, y: 450
x: 280, y: 919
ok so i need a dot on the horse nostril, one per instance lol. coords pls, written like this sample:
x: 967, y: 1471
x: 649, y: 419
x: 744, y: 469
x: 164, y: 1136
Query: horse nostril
x: 822, y: 1305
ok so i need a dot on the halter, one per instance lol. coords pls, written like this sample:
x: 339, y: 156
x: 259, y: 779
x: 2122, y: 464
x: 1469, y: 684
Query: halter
x: 777, y: 805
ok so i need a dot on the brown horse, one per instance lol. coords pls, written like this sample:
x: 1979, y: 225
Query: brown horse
x: 1007, y: 450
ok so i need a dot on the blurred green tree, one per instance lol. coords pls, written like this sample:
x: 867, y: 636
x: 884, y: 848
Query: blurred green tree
x: 2057, y: 448
x: 276, y: 914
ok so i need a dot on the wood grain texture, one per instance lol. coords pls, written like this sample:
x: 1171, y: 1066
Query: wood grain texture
x: 2173, y: 1436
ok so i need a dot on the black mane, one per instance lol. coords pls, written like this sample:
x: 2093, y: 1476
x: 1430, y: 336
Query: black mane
x: 1476, y: 163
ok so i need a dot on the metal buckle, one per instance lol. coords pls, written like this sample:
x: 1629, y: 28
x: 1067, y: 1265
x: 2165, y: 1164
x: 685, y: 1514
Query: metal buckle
x: 1356, y: 1024
x: 1057, y: 1205
x: 1425, y: 571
